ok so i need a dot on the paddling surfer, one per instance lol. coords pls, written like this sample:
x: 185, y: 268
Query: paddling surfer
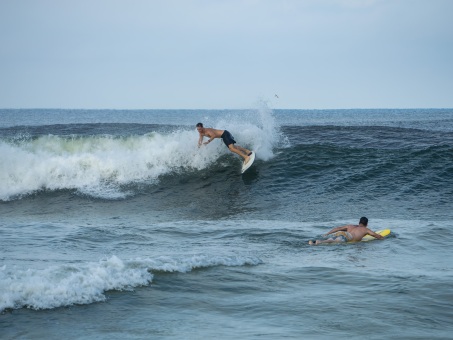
x: 348, y: 233
x: 227, y: 139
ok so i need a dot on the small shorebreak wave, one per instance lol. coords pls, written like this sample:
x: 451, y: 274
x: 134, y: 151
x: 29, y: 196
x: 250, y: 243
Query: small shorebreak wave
x: 85, y: 283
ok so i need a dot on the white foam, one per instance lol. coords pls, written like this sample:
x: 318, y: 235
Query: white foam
x: 256, y: 130
x: 96, y: 165
x: 66, y: 285
x: 84, y: 283
x: 186, y: 264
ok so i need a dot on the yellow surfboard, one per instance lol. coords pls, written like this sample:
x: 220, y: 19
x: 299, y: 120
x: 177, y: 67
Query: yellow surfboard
x: 384, y: 232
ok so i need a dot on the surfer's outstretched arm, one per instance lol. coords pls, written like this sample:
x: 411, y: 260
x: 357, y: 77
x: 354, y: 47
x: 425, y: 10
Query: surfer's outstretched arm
x: 372, y: 233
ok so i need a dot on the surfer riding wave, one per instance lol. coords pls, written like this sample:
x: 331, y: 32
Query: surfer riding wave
x: 227, y: 138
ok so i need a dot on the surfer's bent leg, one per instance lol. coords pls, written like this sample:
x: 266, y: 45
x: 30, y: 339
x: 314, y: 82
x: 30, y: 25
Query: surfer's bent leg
x: 246, y: 152
x: 234, y: 149
x: 229, y: 141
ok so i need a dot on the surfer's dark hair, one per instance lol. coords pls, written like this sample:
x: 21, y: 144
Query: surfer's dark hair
x: 364, y: 221
x: 200, y: 125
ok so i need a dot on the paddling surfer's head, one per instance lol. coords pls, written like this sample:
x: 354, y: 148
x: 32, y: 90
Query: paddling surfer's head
x: 200, y: 127
x: 363, y: 221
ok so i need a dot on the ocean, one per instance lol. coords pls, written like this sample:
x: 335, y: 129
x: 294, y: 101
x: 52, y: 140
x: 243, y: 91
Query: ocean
x: 115, y: 225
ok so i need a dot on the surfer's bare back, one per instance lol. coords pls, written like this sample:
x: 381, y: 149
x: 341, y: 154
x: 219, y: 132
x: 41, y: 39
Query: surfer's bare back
x: 227, y: 139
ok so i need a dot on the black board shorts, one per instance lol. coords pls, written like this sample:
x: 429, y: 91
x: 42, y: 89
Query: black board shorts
x: 227, y: 138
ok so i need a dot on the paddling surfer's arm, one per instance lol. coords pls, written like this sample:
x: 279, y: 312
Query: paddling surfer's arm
x: 372, y: 233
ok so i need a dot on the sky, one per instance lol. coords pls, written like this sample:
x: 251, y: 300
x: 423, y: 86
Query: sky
x: 226, y: 54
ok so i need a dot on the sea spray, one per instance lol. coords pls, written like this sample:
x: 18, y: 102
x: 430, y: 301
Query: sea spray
x: 256, y: 129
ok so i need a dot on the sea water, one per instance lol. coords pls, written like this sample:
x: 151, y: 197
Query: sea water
x: 114, y: 224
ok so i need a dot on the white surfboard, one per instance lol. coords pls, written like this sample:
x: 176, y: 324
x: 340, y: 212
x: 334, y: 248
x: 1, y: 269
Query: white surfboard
x: 249, y: 163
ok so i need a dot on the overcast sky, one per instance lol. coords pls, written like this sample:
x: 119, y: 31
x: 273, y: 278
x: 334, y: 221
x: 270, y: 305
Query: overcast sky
x: 226, y: 54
